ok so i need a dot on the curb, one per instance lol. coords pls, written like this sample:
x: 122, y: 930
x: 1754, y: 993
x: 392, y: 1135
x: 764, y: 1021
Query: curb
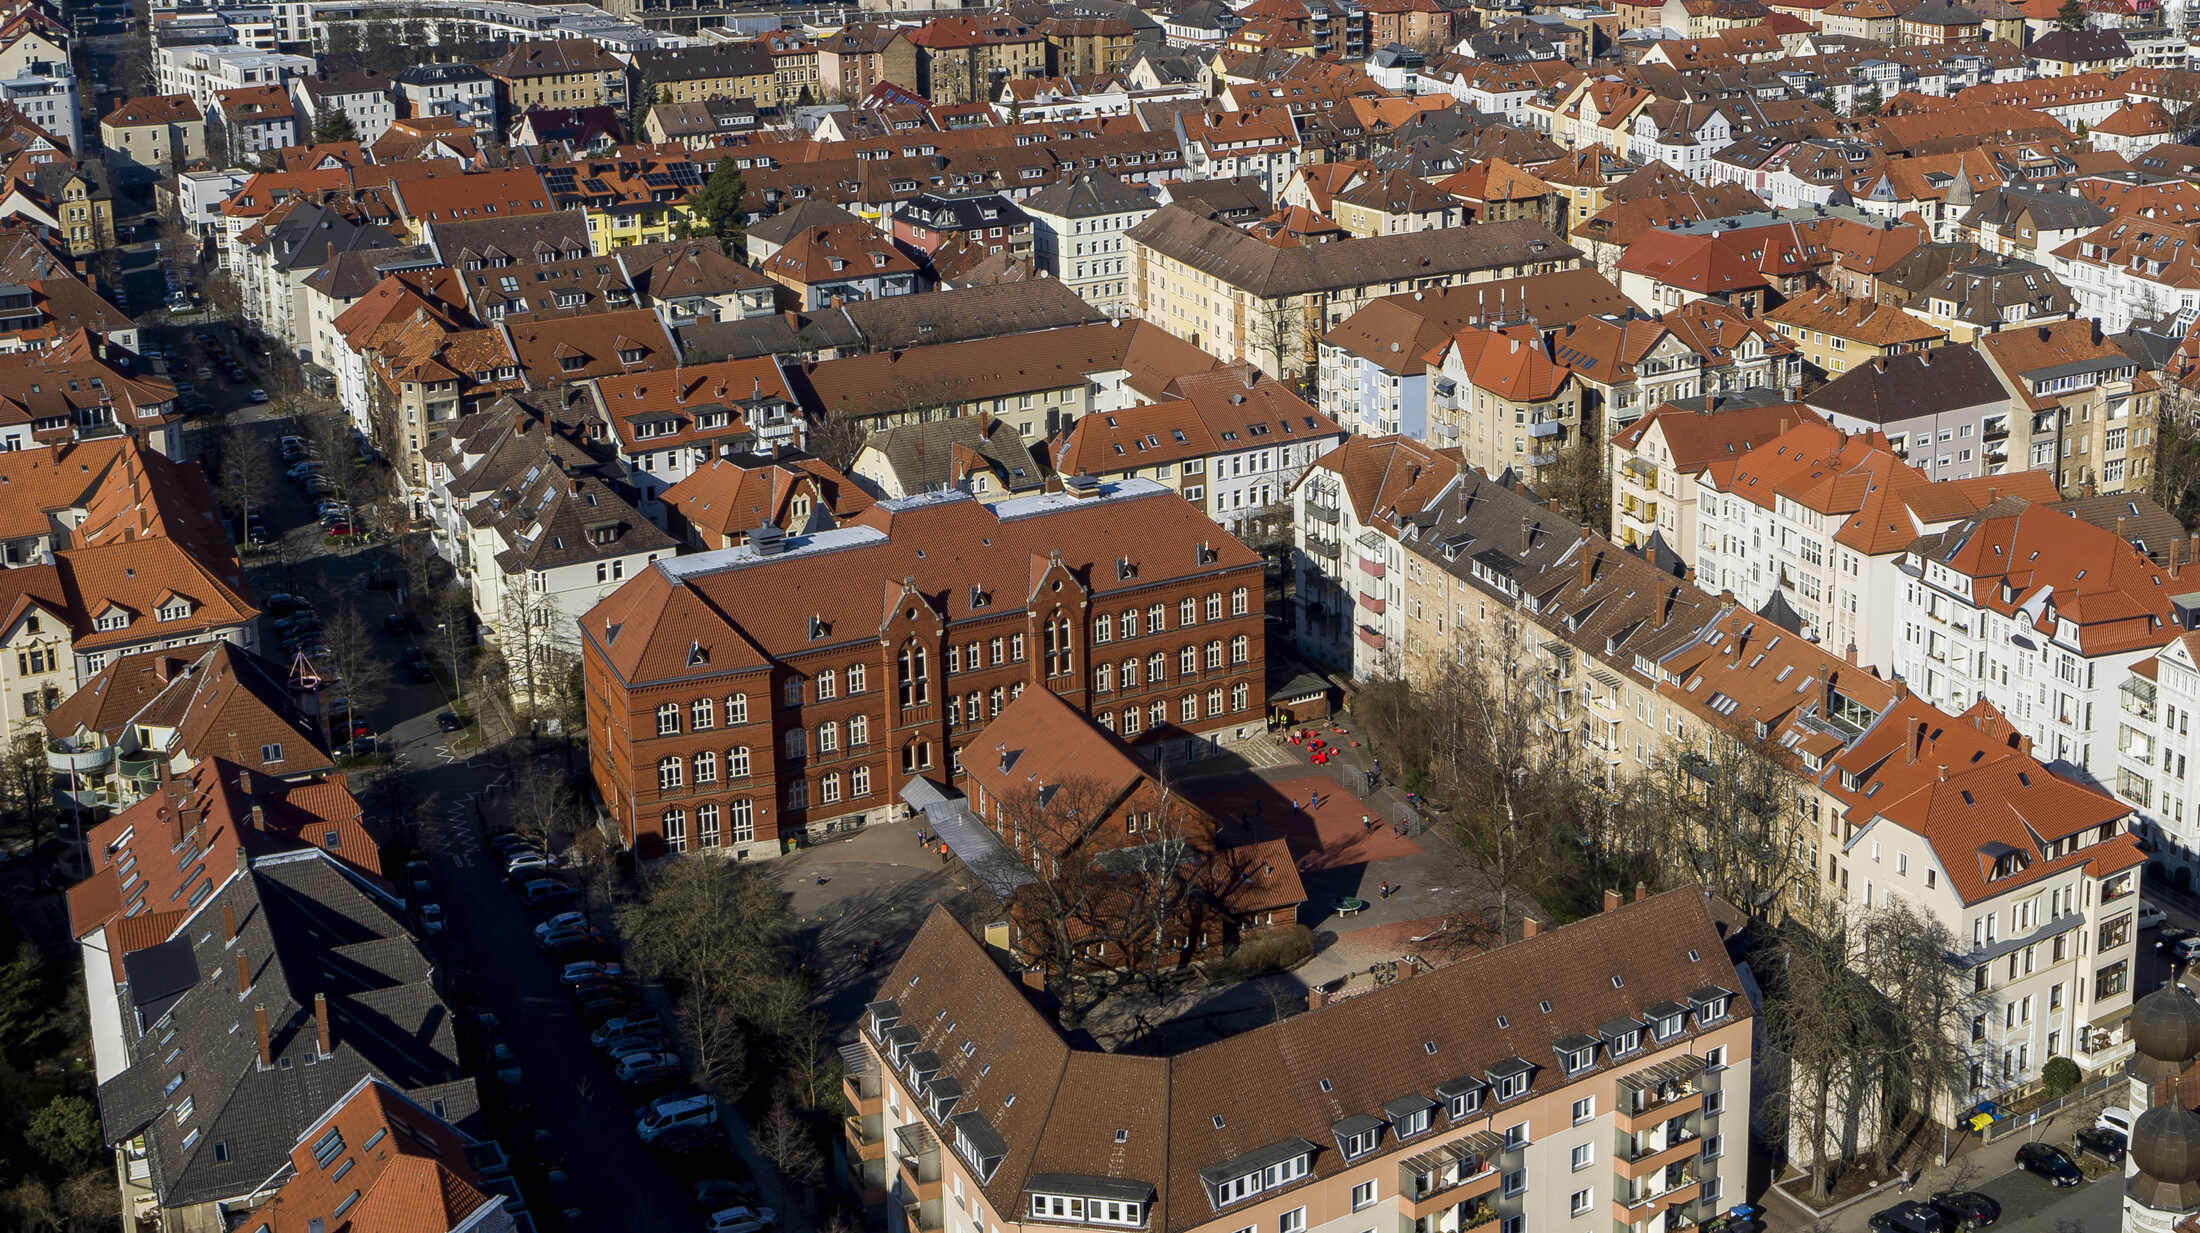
x: 1816, y: 1214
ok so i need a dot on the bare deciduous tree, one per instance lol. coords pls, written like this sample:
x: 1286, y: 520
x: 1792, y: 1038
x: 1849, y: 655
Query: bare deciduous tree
x: 788, y: 1141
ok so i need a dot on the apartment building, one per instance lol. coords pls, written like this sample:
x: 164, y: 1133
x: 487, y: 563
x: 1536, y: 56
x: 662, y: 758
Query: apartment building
x: 201, y: 71
x: 152, y: 137
x: 1654, y: 462
x: 1454, y: 1101
x: 1237, y: 297
x: 735, y: 70
x: 557, y: 73
x: 1944, y: 410
x: 460, y: 92
x: 1506, y: 401
x: 1374, y: 372
x: 2041, y: 614
x: 2037, y: 873
x: 1818, y: 522
x: 2080, y: 410
x: 1078, y: 231
x: 746, y: 699
x: 1232, y: 441
x: 363, y: 97
x: 1349, y: 512
x: 1837, y: 332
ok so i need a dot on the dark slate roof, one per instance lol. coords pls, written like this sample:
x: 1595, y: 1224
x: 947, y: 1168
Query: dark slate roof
x: 1915, y: 383
x: 967, y: 213
x: 1090, y: 195
x: 2078, y: 46
x: 2134, y: 516
x: 921, y: 454
x: 440, y: 74
x: 1781, y: 613
x: 305, y: 926
x: 894, y: 321
x: 808, y: 212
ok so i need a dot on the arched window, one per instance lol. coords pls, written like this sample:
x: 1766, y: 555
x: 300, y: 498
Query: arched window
x: 737, y: 762
x: 676, y: 829
x: 706, y: 826
x: 1157, y: 667
x: 859, y: 731
x: 1241, y: 649
x: 668, y: 772
x: 668, y: 718
x: 737, y: 709
x: 706, y: 766
x: 1214, y: 654
x: 828, y: 737
x: 701, y: 714
x: 740, y: 816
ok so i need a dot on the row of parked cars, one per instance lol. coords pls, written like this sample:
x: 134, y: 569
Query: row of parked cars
x: 678, y: 1122
x: 2106, y: 1140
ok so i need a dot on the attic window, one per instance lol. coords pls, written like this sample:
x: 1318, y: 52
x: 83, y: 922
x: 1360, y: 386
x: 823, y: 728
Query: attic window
x: 697, y: 656
x: 1325, y: 1085
x: 1545, y: 1007
x: 1218, y: 1121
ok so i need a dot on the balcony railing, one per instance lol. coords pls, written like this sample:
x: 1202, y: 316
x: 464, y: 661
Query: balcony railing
x: 1322, y: 513
x: 62, y: 754
x: 1327, y: 549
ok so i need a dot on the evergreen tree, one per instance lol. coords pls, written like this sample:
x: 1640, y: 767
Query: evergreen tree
x: 716, y: 208
x: 2071, y: 16
x: 334, y: 126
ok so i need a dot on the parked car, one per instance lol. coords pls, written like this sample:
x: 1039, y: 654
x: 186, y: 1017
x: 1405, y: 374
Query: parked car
x: 568, y: 933
x: 1909, y: 1216
x: 397, y: 623
x: 2102, y: 1142
x: 431, y: 917
x: 561, y: 920
x: 602, y: 1008
x: 635, y: 1069
x: 257, y: 396
x: 742, y: 1220
x: 420, y: 672
x: 525, y: 864
x: 715, y: 1194
x: 1967, y: 1209
x: 2051, y: 1163
x: 627, y: 1046
x: 2167, y: 938
x: 691, y: 1112
x: 545, y: 891
x: 630, y: 1025
x: 282, y: 603
x: 449, y: 721
x: 2116, y: 1118
x: 588, y: 968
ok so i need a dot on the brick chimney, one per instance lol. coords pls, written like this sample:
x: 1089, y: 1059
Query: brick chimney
x: 320, y: 1020
x: 1642, y: 891
x: 1408, y: 969
x: 259, y: 1022
x: 229, y: 923
x: 244, y: 974
x: 1527, y: 535
x: 244, y: 862
x: 1529, y: 927
x: 1612, y: 900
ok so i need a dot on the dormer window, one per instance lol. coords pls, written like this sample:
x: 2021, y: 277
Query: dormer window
x: 572, y: 363
x: 1358, y: 1135
x: 174, y: 610
x: 1576, y: 1053
x: 1462, y: 1097
x: 1409, y: 1115
x: 113, y: 618
x: 1710, y: 1003
x: 631, y: 355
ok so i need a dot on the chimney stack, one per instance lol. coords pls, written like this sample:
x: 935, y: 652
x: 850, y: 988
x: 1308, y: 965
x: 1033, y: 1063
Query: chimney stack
x: 229, y: 923
x: 244, y: 863
x: 1642, y: 891
x: 1527, y: 535
x: 1529, y: 927
x: 259, y: 1021
x: 244, y: 974
x: 320, y: 1020
x: 1612, y: 900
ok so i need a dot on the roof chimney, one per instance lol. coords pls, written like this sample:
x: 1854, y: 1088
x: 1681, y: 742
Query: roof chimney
x: 229, y: 923
x: 1642, y: 891
x: 1527, y: 535
x: 259, y: 1021
x: 1529, y: 927
x: 320, y: 1020
x: 244, y: 974
x: 244, y: 863
x: 1612, y: 900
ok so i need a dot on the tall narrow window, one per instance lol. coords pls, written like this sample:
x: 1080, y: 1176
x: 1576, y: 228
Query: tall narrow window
x: 910, y: 677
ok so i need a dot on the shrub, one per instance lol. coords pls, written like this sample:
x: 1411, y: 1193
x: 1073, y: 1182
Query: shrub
x: 1270, y: 952
x: 2059, y: 1076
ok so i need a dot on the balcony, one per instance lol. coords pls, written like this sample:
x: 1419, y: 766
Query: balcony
x: 924, y: 1217
x: 1659, y: 1152
x: 1370, y: 566
x: 1545, y: 428
x: 1447, y: 1176
x: 1659, y: 1093
x: 917, y: 1161
x: 1372, y: 603
x: 1370, y: 636
x: 1640, y: 1210
x: 866, y: 1136
x: 1327, y: 549
x: 63, y: 754
x: 1326, y: 514
x: 1541, y: 460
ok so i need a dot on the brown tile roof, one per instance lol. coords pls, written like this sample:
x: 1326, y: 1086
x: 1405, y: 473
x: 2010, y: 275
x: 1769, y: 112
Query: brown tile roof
x: 554, y: 352
x: 736, y: 604
x: 480, y: 195
x: 1858, y: 320
x: 1397, y: 331
x: 1696, y: 438
x: 1162, y: 1121
x: 553, y: 58
x: 1971, y: 788
x: 1188, y: 234
x: 898, y: 382
x: 221, y: 702
x: 153, y: 109
x: 416, y: 1181
x: 2034, y: 564
x: 1391, y: 479
x: 726, y: 500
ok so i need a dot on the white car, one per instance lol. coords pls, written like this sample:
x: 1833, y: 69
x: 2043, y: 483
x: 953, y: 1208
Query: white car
x: 2150, y: 917
x: 2117, y: 1119
x: 742, y: 1220
x: 588, y: 969
x: 634, y: 1065
x: 560, y: 921
x: 527, y: 860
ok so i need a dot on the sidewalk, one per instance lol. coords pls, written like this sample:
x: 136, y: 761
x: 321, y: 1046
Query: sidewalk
x: 1971, y: 1165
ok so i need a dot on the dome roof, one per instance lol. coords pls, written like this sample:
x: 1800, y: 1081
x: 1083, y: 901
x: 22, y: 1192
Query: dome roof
x: 2165, y: 1143
x: 2165, y: 1025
